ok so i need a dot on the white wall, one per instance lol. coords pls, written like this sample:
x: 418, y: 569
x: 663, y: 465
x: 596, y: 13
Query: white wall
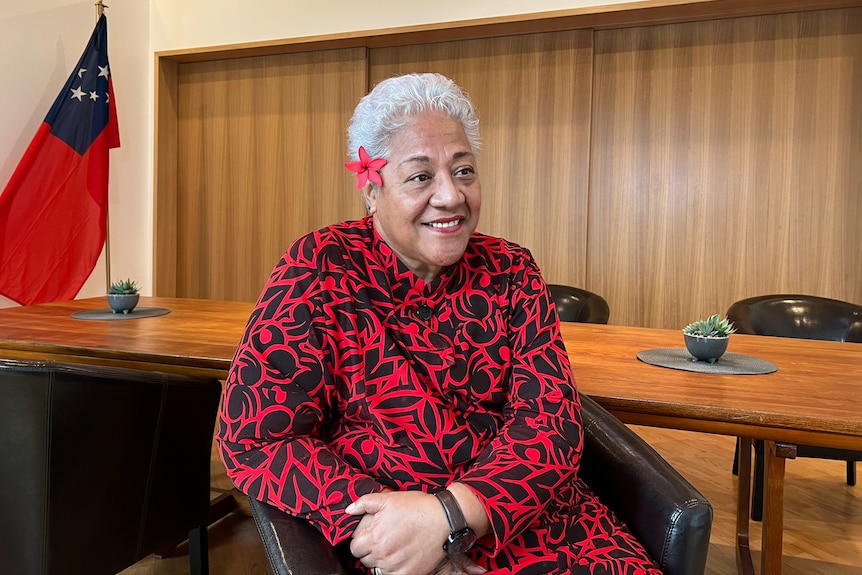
x: 40, y: 41
x: 195, y: 23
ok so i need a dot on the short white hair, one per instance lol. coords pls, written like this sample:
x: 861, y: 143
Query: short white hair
x: 391, y: 104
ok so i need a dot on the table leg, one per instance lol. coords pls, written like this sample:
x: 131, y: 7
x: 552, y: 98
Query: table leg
x: 744, y: 564
x: 773, y: 505
x: 221, y: 503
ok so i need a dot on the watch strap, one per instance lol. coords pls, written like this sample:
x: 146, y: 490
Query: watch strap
x: 454, y: 515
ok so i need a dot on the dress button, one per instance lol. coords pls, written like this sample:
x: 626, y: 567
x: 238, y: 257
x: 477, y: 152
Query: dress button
x: 424, y: 312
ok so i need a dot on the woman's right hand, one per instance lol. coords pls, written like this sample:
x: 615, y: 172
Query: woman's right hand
x: 395, y: 532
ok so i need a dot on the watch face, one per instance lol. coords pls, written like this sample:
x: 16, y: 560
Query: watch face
x: 460, y: 541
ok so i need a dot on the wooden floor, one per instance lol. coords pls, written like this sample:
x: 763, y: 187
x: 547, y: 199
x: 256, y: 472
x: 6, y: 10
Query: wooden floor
x: 823, y: 516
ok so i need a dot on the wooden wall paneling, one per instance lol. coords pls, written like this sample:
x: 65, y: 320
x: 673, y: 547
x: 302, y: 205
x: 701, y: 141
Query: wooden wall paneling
x: 165, y: 177
x: 774, y: 92
x: 261, y: 152
x: 836, y: 148
x: 533, y: 97
x: 723, y: 164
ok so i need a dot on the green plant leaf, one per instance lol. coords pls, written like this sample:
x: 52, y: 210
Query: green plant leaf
x: 713, y: 326
x: 123, y: 287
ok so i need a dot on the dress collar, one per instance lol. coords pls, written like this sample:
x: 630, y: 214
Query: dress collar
x: 404, y: 285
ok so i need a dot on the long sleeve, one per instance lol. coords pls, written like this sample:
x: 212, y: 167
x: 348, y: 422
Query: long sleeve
x: 278, y: 401
x: 532, y: 461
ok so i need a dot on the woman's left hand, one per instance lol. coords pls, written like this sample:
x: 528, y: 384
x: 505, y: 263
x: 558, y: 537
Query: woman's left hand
x: 401, y: 533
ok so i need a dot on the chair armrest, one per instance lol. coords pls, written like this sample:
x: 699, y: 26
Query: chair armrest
x: 292, y: 545
x: 670, y: 518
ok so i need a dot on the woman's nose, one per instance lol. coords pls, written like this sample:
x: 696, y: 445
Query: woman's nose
x: 446, y: 192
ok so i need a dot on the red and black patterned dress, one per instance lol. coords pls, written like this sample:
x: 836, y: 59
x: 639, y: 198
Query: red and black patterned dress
x: 341, y: 387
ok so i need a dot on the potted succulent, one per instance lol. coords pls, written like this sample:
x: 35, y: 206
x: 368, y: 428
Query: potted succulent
x: 123, y: 296
x: 707, y: 339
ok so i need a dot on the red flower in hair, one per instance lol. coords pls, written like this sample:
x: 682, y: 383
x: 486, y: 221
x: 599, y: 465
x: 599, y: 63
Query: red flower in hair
x: 366, y: 169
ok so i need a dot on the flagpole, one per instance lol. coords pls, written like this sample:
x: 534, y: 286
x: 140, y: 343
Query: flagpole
x: 100, y: 9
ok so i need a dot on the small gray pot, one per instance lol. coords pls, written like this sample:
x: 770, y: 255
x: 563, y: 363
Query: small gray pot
x: 707, y: 349
x: 122, y: 302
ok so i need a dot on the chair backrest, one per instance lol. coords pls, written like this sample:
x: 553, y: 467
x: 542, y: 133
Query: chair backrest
x: 101, y: 466
x: 667, y: 515
x: 579, y: 305
x: 800, y: 316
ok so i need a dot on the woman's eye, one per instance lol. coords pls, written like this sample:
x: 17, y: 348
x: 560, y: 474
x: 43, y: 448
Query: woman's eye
x: 465, y: 171
x: 420, y: 178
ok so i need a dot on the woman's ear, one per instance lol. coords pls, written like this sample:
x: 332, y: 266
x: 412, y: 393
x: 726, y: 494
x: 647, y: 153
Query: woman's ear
x: 369, y: 194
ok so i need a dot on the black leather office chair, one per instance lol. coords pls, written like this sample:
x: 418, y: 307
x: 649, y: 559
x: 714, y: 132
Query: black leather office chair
x: 579, y: 305
x: 806, y: 317
x: 102, y: 466
x: 670, y: 518
x: 801, y: 316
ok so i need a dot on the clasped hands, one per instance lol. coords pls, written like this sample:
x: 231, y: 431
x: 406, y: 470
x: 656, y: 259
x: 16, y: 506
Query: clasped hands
x: 402, y: 533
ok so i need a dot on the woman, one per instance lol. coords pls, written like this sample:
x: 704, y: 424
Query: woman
x: 402, y: 383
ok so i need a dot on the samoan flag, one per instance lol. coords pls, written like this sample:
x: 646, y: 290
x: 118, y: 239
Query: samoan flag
x: 53, y: 211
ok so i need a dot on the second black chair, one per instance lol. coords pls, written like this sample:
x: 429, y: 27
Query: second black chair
x: 805, y: 317
x: 579, y: 305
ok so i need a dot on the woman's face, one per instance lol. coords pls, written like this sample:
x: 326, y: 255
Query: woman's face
x: 428, y: 206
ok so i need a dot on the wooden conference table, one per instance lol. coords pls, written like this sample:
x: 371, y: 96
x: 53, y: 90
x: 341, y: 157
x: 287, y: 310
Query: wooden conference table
x: 810, y: 399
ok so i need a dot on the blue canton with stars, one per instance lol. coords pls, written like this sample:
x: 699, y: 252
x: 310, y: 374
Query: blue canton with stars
x: 80, y: 112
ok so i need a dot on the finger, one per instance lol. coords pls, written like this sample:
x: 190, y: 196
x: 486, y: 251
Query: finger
x: 365, y: 557
x: 371, y: 503
x: 360, y: 544
x: 355, y: 508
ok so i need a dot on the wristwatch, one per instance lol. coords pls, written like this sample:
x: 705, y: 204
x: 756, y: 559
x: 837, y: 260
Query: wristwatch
x: 461, y: 537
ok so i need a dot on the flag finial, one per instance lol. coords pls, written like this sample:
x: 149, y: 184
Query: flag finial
x: 100, y: 8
